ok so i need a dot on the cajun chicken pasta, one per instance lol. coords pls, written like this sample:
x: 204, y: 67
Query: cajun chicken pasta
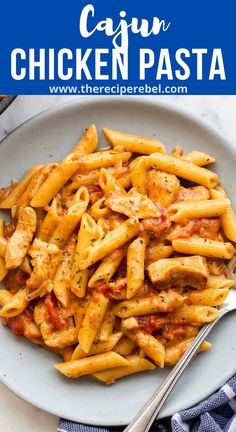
x: 114, y: 259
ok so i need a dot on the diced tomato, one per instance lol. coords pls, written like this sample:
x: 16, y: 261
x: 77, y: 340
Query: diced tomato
x: 95, y: 192
x: 156, y: 226
x: 206, y: 228
x: 112, y: 289
x: 118, y: 286
x: 17, y: 323
x: 55, y: 314
x: 151, y: 323
x: 103, y: 288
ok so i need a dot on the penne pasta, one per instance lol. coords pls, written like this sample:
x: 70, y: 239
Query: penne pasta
x: 125, y: 346
x: 136, y: 364
x: 204, y: 247
x: 109, y: 242
x: 134, y: 143
x: 156, y: 250
x: 150, y: 345
x: 107, y: 325
x: 208, y: 297
x: 58, y: 177
x: 163, y: 302
x: 228, y: 218
x: 15, y: 305
x: 135, y: 266
x: 139, y: 176
x: 107, y: 268
x: 109, y: 184
x: 198, y: 158
x: 99, y: 209
x: 182, y: 168
x: 71, y: 218
x: 20, y: 188
x: 35, y: 183
x: 195, y: 314
x: 82, y: 178
x: 175, y: 351
x: 5, y: 296
x: 88, y: 233
x: 88, y: 142
x: 198, y: 209
x: 89, y: 365
x: 3, y: 243
x: 102, y: 159
x: 50, y: 221
x: 97, y: 347
x: 92, y: 321
x: 62, y: 280
x: 217, y: 282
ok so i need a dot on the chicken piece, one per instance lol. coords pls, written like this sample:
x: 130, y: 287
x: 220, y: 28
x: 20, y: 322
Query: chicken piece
x: 42, y: 321
x: 179, y: 272
x: 192, y: 193
x: 46, y: 258
x: 57, y: 325
x: 162, y: 187
x: 19, y: 243
x: 133, y: 204
x: 9, y: 229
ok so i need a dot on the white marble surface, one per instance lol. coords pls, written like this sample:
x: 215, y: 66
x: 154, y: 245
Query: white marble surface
x: 15, y: 414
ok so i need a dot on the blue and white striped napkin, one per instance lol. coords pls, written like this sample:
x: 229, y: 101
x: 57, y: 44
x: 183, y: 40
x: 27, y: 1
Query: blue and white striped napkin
x: 217, y: 413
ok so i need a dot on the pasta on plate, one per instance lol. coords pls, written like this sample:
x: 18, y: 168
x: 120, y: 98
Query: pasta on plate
x: 110, y: 259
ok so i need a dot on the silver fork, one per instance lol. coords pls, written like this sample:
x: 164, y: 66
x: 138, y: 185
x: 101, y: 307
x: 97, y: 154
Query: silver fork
x: 146, y: 416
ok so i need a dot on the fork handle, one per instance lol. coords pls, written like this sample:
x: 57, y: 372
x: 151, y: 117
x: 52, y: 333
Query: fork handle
x: 146, y: 416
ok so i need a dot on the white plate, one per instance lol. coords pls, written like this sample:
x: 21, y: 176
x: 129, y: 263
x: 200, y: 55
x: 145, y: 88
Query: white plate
x: 28, y: 370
